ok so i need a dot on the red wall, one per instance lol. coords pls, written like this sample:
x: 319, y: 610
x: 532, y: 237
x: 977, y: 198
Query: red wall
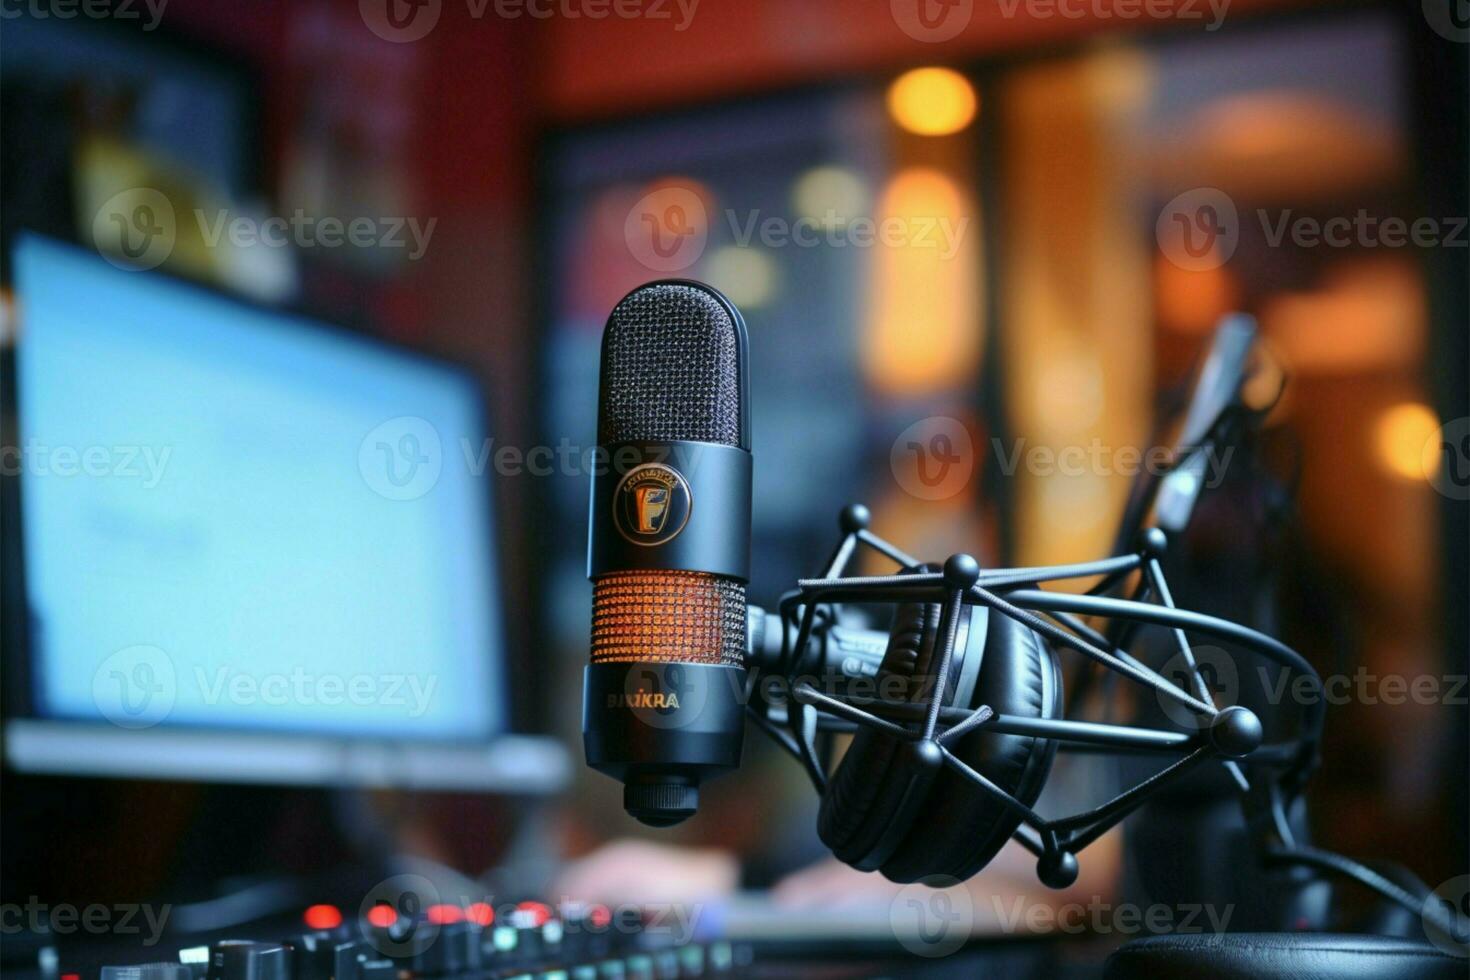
x: 601, y: 67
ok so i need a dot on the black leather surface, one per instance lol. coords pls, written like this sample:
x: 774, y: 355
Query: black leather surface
x: 869, y: 780
x: 967, y: 827
x: 1298, y: 956
x: 964, y: 827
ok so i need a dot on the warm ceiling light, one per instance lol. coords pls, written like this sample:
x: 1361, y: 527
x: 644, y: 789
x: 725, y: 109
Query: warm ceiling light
x: 932, y: 101
x: 1401, y: 436
x: 925, y: 327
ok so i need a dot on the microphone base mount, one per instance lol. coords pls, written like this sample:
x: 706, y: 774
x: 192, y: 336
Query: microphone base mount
x: 662, y: 728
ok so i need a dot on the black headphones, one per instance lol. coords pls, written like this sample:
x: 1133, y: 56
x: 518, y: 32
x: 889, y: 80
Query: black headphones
x: 869, y: 812
x: 937, y: 805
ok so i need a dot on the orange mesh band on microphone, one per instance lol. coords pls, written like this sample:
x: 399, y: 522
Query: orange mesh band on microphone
x: 668, y: 616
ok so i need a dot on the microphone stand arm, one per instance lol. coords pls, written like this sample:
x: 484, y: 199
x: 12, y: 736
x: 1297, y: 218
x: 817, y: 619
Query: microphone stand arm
x: 1269, y: 776
x: 1231, y: 735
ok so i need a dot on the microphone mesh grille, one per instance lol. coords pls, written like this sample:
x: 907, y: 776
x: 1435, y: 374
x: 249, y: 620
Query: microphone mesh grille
x: 670, y: 369
x: 668, y: 616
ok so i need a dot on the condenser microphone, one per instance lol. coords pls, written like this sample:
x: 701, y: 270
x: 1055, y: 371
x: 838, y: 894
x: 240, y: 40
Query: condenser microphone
x: 669, y: 548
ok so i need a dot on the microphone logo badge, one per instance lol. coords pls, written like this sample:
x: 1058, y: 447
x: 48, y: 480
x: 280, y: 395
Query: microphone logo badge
x: 651, y: 505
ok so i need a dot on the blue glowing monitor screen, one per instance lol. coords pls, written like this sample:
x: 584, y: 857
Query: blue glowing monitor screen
x: 236, y: 519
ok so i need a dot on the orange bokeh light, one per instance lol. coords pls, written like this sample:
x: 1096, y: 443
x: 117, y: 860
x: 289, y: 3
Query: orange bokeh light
x: 443, y: 914
x: 932, y: 101
x: 322, y: 917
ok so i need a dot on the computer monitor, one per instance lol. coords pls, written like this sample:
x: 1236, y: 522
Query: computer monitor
x: 253, y: 547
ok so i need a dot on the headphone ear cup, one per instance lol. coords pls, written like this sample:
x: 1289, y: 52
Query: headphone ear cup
x: 864, y: 790
x: 963, y: 827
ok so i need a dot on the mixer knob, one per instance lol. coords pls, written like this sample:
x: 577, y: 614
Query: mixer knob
x: 147, y: 971
x: 243, y: 959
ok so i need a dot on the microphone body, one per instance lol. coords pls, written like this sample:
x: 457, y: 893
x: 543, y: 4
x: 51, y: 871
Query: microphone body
x: 669, y: 549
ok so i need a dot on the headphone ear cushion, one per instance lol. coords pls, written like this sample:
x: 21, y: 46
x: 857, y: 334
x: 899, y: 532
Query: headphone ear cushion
x: 967, y: 827
x: 867, y: 782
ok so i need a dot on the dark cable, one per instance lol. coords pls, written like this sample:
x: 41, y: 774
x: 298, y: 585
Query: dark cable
x: 1315, y: 857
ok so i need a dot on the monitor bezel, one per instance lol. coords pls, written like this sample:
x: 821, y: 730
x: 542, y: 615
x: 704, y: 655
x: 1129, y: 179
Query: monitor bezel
x: 512, y: 759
